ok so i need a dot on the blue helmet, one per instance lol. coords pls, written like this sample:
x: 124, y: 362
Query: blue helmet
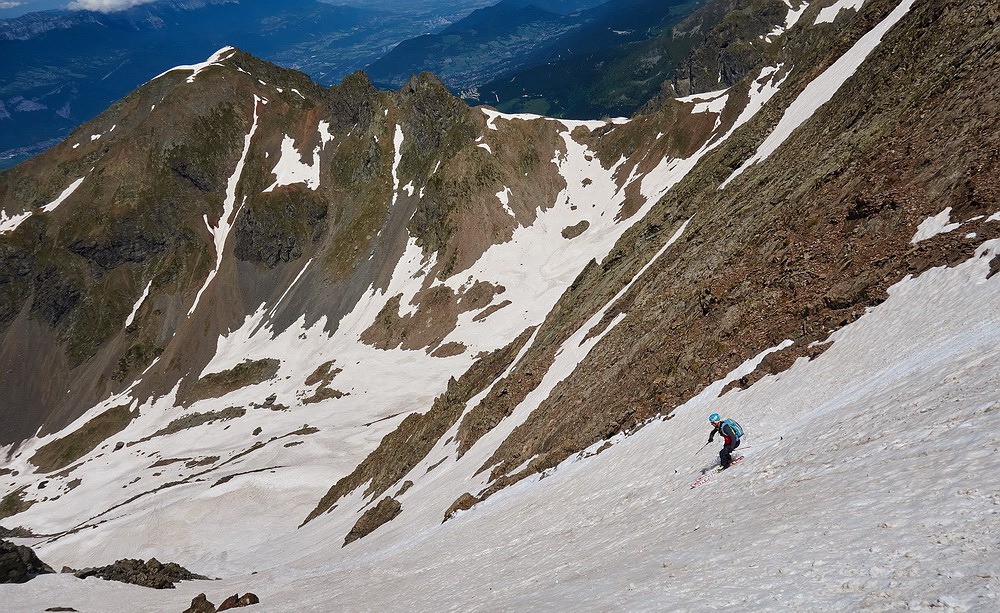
x: 714, y: 417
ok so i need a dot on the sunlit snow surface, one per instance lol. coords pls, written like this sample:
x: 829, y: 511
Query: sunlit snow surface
x: 932, y: 226
x: 9, y: 224
x: 48, y: 208
x: 291, y: 167
x: 215, y: 59
x: 791, y: 18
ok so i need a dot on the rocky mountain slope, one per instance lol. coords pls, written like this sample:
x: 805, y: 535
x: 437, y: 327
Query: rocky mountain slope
x: 351, y: 315
x: 61, y: 68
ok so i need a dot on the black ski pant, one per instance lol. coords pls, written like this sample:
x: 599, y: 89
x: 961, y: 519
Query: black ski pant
x: 726, y: 455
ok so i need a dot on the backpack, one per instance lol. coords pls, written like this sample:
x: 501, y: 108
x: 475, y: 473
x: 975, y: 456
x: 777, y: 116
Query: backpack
x: 738, y: 429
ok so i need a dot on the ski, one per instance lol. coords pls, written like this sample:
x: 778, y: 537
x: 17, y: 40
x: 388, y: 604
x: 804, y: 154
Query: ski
x: 711, y: 473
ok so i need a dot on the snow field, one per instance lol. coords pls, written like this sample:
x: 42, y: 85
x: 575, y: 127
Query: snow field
x: 870, y: 483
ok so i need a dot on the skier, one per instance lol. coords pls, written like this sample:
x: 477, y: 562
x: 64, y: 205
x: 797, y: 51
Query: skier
x: 731, y: 432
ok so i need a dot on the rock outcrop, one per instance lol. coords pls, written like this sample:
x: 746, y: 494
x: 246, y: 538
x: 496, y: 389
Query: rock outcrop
x: 151, y: 573
x: 19, y: 563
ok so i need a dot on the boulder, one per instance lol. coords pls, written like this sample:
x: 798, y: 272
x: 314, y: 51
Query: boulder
x: 200, y: 604
x: 19, y: 563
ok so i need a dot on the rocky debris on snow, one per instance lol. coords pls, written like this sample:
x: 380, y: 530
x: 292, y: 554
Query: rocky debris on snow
x: 238, y: 601
x: 151, y: 573
x: 201, y: 603
x: 323, y: 375
x: 271, y: 403
x: 19, y: 563
x: 385, y: 511
x: 573, y: 231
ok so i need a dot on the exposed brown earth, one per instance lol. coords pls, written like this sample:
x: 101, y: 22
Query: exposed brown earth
x: 64, y: 451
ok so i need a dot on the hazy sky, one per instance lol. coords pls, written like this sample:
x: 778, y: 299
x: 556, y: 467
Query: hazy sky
x: 15, y: 8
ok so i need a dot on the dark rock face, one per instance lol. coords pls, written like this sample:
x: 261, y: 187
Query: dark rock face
x: 19, y: 563
x: 55, y: 295
x: 147, y: 574
x: 130, y: 245
x: 729, y: 50
x: 385, y: 511
x: 198, y: 177
x: 269, y: 232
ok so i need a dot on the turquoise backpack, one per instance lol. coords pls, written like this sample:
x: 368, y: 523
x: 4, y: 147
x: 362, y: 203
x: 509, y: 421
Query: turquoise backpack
x: 738, y: 429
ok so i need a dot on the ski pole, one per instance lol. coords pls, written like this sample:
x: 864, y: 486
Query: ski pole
x: 703, y: 446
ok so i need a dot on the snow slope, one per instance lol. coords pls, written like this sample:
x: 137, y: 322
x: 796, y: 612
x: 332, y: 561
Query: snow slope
x: 871, y: 482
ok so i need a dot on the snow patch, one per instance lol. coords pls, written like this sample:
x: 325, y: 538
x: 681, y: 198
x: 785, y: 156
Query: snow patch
x: 9, y: 224
x: 291, y: 168
x: 830, y: 13
x: 397, y: 143
x: 504, y: 197
x: 790, y: 20
x: 215, y: 60
x: 48, y: 208
x: 138, y: 303
x: 932, y: 226
x: 221, y: 232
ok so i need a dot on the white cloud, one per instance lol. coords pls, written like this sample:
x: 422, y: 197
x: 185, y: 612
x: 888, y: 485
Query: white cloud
x: 10, y: 5
x: 105, y: 6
